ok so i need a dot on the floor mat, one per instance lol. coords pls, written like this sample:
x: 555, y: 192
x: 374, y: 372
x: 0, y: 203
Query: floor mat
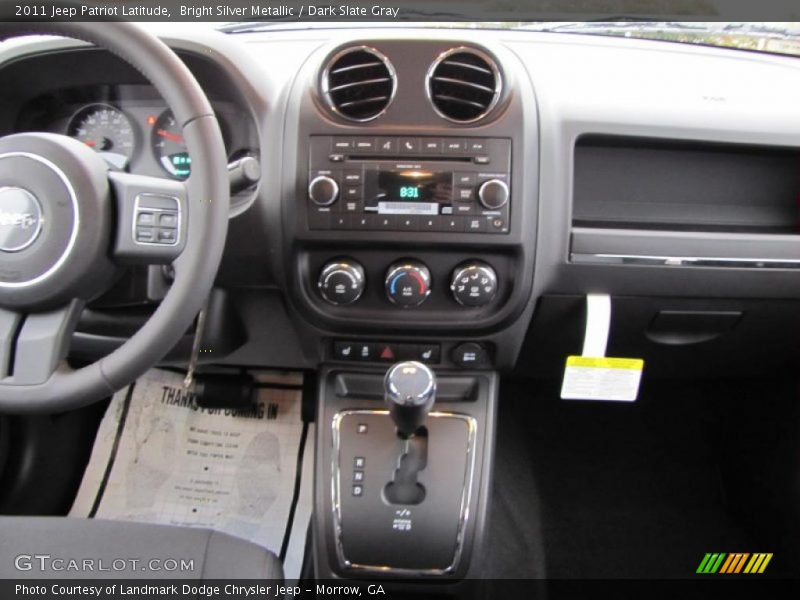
x: 158, y: 458
x: 623, y: 491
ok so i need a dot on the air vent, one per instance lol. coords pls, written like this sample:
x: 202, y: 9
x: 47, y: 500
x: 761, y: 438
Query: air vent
x: 463, y: 85
x: 359, y: 83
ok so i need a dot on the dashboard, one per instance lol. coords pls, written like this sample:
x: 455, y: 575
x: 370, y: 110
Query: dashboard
x: 452, y: 196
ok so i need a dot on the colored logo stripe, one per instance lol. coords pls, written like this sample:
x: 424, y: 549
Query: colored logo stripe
x: 711, y: 562
x: 758, y: 563
x: 734, y: 563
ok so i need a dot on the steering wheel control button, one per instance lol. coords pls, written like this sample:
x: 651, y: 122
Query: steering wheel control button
x: 21, y: 219
x: 323, y: 190
x: 145, y: 234
x: 156, y: 219
x: 493, y: 194
x: 341, y: 282
x: 470, y: 355
x: 146, y: 219
x: 408, y: 283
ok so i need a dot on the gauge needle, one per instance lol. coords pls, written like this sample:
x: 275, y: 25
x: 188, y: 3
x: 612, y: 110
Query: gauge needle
x: 172, y: 137
x: 90, y: 143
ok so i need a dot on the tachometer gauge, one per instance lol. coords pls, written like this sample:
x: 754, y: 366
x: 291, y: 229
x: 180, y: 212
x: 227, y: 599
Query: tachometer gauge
x: 107, y: 130
x: 169, y: 148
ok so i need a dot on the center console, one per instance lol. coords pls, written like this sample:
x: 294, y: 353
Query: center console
x: 403, y: 471
x: 408, y: 214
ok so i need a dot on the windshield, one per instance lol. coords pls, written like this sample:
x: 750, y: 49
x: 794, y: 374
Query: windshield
x: 770, y: 37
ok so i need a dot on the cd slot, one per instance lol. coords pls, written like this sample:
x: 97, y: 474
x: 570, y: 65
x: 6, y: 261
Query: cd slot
x: 408, y: 157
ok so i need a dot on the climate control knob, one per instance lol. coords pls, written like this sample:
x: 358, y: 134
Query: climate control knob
x: 408, y: 283
x: 341, y: 281
x: 474, y: 283
x: 323, y: 190
x: 493, y: 194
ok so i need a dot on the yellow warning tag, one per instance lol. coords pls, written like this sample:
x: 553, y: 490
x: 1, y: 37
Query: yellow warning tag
x: 600, y: 378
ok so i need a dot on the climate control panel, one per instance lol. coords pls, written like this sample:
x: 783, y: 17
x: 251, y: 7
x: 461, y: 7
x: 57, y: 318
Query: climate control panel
x: 408, y: 283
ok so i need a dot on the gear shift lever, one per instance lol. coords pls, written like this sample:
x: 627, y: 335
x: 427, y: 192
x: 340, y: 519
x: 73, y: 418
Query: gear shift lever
x: 409, y: 393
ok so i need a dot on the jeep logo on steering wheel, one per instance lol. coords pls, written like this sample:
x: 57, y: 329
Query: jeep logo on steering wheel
x: 20, y: 219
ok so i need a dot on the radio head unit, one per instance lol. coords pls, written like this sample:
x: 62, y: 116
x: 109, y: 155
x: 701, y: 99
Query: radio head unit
x: 459, y: 185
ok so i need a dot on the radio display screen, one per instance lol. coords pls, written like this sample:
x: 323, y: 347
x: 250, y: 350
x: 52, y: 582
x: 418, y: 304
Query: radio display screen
x: 408, y: 191
x: 415, y: 184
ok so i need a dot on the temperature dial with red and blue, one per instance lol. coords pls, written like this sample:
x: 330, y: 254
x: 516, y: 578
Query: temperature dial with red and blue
x: 408, y: 283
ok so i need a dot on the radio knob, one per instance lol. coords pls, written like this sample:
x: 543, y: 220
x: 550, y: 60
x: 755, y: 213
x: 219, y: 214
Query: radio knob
x: 493, y: 194
x: 474, y: 284
x: 341, y: 282
x: 323, y: 190
x: 408, y: 283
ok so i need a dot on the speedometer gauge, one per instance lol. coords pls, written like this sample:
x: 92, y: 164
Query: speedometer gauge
x: 105, y: 129
x: 169, y: 147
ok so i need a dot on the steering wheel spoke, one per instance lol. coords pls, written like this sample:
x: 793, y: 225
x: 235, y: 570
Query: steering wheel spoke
x: 152, y: 218
x: 33, y: 346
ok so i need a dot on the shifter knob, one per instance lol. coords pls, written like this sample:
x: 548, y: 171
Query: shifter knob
x: 410, y: 390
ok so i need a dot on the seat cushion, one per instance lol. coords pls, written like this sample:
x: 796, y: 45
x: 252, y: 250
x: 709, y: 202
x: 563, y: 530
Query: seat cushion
x: 41, y: 547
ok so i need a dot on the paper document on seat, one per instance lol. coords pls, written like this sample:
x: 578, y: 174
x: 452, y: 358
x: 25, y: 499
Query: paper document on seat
x: 177, y: 464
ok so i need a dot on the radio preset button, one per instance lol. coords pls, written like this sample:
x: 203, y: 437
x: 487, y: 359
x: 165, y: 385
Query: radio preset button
x: 409, y: 223
x: 430, y: 224
x: 387, y: 223
x: 361, y: 222
x: 341, y: 221
x: 453, y: 224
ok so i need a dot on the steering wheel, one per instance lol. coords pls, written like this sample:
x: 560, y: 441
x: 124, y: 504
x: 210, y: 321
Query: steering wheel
x: 68, y: 224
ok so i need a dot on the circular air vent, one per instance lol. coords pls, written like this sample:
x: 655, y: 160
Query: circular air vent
x: 463, y: 85
x: 359, y: 83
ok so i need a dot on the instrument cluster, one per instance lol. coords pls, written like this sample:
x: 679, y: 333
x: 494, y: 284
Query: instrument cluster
x: 134, y: 131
